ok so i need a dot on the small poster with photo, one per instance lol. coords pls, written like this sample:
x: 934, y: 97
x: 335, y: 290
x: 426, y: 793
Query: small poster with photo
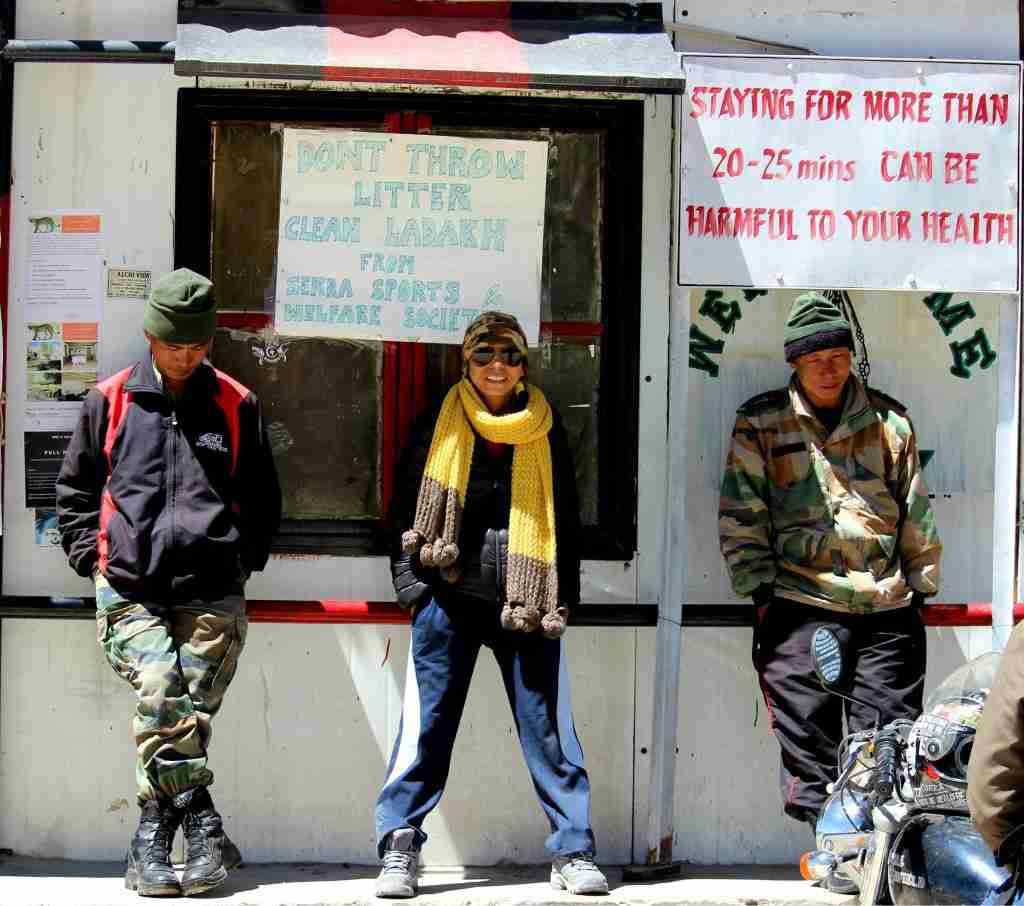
x: 61, y: 359
x: 47, y: 531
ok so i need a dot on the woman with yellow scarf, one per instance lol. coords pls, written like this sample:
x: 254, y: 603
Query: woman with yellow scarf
x: 486, y: 552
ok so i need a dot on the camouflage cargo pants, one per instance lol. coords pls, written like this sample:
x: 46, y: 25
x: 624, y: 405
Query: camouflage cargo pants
x: 180, y: 660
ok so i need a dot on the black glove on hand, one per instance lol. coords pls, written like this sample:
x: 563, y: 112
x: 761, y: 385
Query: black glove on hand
x: 409, y: 578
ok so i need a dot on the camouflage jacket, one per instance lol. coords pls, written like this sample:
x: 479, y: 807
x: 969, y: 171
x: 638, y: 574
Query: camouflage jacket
x: 840, y: 521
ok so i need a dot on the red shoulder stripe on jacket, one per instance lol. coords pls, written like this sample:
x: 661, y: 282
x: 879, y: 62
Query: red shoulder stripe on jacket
x: 230, y: 396
x: 117, y: 405
x: 102, y: 543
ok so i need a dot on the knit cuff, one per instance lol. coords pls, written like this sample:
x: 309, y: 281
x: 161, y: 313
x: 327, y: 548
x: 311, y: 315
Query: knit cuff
x: 840, y: 338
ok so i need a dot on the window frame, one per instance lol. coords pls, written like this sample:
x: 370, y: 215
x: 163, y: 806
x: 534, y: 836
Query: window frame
x: 198, y: 109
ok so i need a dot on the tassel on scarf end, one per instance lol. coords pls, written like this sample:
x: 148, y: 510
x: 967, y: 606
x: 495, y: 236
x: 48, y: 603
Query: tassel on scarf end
x: 553, y: 625
x: 445, y: 554
x: 437, y: 553
x: 411, y: 541
x: 520, y: 617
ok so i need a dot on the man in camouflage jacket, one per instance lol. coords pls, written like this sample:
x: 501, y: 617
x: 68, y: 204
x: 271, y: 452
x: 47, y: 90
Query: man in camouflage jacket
x: 824, y: 518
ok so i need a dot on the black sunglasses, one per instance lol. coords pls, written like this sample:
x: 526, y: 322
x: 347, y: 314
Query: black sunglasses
x: 484, y: 355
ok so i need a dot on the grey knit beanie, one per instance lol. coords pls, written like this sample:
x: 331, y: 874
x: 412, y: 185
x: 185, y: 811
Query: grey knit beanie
x: 815, y: 323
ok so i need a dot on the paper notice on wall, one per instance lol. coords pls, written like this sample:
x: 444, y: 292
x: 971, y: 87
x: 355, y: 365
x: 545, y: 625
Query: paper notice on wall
x: 63, y: 297
x: 129, y: 282
x: 407, y: 237
x: 65, y: 265
x: 44, y: 453
x: 60, y: 368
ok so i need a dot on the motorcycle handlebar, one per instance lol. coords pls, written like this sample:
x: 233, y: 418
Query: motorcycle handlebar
x: 886, y: 743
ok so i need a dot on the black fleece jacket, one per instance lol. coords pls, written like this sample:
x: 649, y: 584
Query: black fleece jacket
x: 169, y: 499
x: 483, y: 535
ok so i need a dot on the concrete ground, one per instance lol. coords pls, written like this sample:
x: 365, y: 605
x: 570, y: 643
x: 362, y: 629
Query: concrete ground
x: 41, y: 882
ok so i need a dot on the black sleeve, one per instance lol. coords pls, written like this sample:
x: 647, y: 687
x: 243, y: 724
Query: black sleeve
x: 412, y: 581
x: 80, y: 484
x: 258, y: 493
x: 568, y: 526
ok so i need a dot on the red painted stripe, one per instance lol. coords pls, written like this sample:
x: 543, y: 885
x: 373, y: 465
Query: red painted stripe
x: 388, y: 453
x: 478, y: 48
x: 412, y: 9
x: 419, y: 384
x: 358, y: 612
x: 971, y: 613
x: 405, y: 391
x: 571, y: 328
x: 244, y: 320
x: 387, y: 612
x: 462, y: 77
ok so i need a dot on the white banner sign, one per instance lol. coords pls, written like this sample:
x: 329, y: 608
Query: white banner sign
x: 872, y: 174
x: 407, y: 237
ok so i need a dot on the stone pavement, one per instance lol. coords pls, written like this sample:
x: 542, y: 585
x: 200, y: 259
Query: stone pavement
x: 43, y: 882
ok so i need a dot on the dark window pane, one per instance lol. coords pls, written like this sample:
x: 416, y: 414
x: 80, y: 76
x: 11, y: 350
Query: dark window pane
x: 321, y: 406
x: 571, y: 271
x: 569, y: 373
x: 246, y: 197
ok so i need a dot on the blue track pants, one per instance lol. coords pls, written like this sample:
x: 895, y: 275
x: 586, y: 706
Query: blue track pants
x: 446, y: 638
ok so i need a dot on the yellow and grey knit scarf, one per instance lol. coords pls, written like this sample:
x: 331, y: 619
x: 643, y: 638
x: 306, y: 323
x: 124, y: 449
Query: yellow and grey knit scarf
x: 531, y: 584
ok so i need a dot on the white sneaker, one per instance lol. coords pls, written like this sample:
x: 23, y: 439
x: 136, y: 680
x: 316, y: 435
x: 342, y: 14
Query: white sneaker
x: 397, y: 878
x: 577, y: 873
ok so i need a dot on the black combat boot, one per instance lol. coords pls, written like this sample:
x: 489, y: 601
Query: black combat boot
x: 149, y: 855
x: 209, y: 854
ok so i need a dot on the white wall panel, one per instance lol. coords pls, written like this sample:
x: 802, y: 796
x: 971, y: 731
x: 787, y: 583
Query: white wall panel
x: 300, y: 748
x: 954, y: 29
x: 97, y: 20
x: 654, y: 326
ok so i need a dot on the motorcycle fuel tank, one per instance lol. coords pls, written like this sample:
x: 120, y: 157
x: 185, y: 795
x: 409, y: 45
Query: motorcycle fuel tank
x: 938, y: 859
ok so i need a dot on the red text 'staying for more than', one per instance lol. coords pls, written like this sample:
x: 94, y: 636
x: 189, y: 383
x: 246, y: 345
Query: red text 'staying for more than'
x: 839, y: 105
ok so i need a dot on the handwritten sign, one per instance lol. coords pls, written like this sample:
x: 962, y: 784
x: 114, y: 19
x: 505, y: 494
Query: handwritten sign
x: 872, y: 174
x: 407, y: 237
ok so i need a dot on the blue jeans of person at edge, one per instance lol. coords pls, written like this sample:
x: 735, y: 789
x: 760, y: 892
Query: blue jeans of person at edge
x: 446, y: 639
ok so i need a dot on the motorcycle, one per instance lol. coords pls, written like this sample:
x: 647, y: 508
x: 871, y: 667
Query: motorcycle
x: 896, y: 824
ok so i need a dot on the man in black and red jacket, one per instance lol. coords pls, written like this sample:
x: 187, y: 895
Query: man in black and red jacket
x: 168, y: 499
